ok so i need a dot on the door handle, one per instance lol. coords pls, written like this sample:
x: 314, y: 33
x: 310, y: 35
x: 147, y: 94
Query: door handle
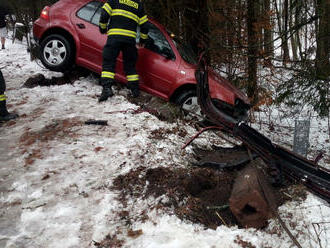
x: 81, y: 25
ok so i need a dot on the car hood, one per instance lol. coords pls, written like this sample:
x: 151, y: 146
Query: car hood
x: 220, y: 88
x: 215, y: 78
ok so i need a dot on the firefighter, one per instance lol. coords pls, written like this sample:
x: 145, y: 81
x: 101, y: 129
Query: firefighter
x: 4, y: 115
x: 120, y: 19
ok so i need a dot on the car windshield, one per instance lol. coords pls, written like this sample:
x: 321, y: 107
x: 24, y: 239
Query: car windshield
x: 185, y: 51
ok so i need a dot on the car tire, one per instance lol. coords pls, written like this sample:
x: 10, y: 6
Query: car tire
x: 189, y: 106
x: 56, y: 53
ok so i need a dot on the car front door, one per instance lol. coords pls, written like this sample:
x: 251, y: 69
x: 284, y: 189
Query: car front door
x: 157, y: 64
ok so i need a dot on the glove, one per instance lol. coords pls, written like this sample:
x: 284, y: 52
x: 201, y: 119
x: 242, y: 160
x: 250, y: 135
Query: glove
x: 102, y: 30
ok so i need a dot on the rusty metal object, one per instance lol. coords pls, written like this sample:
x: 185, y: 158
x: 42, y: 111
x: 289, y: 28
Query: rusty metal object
x: 247, y: 201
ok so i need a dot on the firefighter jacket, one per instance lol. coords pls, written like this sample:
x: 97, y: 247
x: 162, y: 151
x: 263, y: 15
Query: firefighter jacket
x: 120, y: 18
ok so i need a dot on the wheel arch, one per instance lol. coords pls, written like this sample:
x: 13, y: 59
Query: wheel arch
x: 178, y: 91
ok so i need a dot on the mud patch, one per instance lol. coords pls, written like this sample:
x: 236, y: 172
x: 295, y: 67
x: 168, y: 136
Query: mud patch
x: 34, y: 143
x: 162, y: 133
x: 163, y: 110
x: 199, y: 195
x: 109, y: 241
x: 68, y: 78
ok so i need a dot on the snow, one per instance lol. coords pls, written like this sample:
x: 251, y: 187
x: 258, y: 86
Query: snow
x: 63, y: 198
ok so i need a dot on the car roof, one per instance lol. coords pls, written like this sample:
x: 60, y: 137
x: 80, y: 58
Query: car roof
x: 81, y: 2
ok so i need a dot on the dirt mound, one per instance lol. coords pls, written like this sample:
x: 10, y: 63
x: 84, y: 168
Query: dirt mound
x: 199, y: 195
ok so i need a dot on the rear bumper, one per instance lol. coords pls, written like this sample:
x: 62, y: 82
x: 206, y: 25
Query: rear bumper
x: 39, y: 28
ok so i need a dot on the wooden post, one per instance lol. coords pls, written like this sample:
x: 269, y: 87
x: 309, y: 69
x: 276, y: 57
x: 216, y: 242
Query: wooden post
x: 248, y: 202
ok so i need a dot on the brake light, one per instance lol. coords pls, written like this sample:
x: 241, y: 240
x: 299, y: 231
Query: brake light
x: 45, y: 13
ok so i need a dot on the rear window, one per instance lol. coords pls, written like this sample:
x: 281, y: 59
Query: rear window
x: 91, y: 12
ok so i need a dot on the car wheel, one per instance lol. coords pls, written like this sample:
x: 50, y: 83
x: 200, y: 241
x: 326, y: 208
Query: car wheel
x: 56, y: 53
x: 189, y: 106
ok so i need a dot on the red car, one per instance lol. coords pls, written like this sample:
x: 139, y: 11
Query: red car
x: 67, y: 33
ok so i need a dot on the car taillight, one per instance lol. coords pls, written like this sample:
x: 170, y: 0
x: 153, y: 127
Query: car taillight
x: 45, y: 13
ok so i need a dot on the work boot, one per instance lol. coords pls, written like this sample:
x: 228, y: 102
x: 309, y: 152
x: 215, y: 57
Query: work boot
x: 8, y: 117
x: 4, y: 114
x: 106, y: 93
x: 134, y: 87
x: 107, y: 90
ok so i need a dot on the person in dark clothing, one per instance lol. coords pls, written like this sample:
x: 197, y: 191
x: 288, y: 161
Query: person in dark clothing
x: 120, y: 19
x: 3, y: 30
x: 4, y: 114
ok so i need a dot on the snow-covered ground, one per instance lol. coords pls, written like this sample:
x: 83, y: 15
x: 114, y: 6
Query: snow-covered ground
x: 56, y: 172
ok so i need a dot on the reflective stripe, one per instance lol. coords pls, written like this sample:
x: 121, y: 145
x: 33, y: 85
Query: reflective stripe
x: 107, y: 8
x: 143, y: 20
x: 132, y: 77
x: 125, y: 13
x: 107, y: 74
x: 124, y: 32
x: 144, y: 36
x: 3, y: 97
x: 103, y: 25
x: 129, y: 3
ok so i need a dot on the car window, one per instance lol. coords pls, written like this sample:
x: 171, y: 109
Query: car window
x: 156, y: 41
x: 186, y: 52
x: 96, y: 16
x: 89, y: 12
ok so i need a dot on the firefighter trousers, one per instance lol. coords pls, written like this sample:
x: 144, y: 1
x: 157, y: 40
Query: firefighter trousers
x: 2, y: 89
x: 2, y: 84
x: 110, y: 53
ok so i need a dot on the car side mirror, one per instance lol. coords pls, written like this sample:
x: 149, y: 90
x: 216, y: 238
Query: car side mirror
x: 167, y: 53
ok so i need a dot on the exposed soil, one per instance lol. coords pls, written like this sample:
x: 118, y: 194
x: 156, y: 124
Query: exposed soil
x: 162, y: 133
x: 163, y: 110
x: 194, y: 194
x: 58, y: 129
x: 68, y: 78
x: 110, y: 241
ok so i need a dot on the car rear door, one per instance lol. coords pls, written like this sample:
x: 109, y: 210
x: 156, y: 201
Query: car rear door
x: 91, y: 41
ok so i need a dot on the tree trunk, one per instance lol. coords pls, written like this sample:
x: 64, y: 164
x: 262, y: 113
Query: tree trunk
x: 292, y: 22
x: 323, y: 39
x: 298, y: 10
x: 252, y: 88
x: 268, y: 43
x: 285, y: 46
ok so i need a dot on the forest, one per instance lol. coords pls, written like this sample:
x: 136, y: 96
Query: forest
x: 242, y: 38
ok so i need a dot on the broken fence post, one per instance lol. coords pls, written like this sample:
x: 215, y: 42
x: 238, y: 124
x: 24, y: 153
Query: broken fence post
x: 247, y: 201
